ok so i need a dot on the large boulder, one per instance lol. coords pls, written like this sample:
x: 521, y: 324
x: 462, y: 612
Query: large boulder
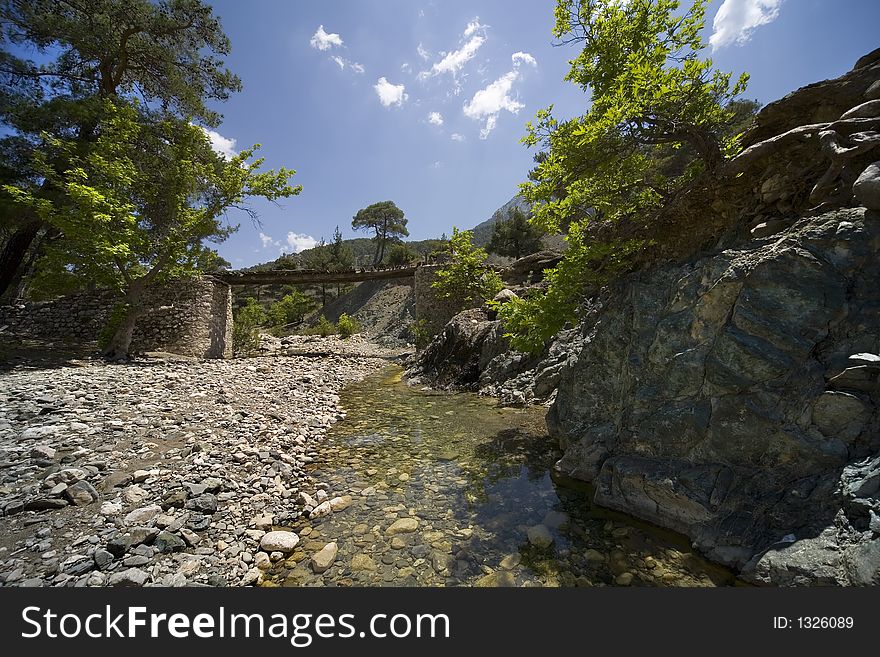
x: 452, y: 360
x: 530, y: 268
x: 724, y: 397
x: 866, y: 188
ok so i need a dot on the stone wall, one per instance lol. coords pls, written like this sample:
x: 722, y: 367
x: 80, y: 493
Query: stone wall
x: 430, y: 307
x: 191, y: 317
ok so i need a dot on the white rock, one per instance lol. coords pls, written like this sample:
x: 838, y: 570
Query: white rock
x: 251, y: 577
x: 263, y: 522
x: 111, y: 509
x: 323, y: 509
x: 324, y: 557
x: 142, y: 515
x: 340, y: 503
x: 279, y: 541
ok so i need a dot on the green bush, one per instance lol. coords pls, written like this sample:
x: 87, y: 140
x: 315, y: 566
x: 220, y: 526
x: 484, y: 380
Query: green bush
x: 348, y: 326
x: 324, y: 327
x: 419, y: 333
x: 466, y: 277
x: 246, y: 328
x: 289, y: 310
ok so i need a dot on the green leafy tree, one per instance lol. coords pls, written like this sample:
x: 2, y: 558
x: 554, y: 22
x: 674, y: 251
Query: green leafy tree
x: 320, y: 258
x: 514, y: 236
x: 651, y: 93
x: 246, y: 327
x: 400, y: 255
x: 168, y: 53
x: 386, y: 220
x: 342, y: 258
x: 466, y: 278
x: 290, y: 309
x: 340, y: 255
x: 138, y: 202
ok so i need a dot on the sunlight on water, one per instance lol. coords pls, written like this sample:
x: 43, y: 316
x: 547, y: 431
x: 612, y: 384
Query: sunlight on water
x: 474, y: 485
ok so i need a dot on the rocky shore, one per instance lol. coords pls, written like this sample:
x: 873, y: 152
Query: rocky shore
x: 163, y: 471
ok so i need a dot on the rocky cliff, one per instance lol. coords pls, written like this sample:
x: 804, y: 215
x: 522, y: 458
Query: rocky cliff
x: 734, y: 399
x: 730, y: 388
x: 734, y: 396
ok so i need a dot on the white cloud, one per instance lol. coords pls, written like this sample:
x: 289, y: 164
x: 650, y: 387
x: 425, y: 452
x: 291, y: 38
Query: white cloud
x: 300, y: 242
x: 323, y: 41
x: 437, y: 164
x: 490, y: 101
x: 390, y: 94
x: 736, y: 19
x: 474, y: 36
x: 405, y: 67
x: 456, y: 137
x: 225, y: 146
x: 473, y: 27
x: 435, y: 118
x: 454, y: 61
x: 268, y: 242
x: 495, y: 98
x: 523, y: 58
x: 344, y: 63
x: 424, y: 54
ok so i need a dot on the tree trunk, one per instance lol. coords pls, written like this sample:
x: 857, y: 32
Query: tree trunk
x: 378, y: 244
x: 120, y: 343
x: 14, y: 252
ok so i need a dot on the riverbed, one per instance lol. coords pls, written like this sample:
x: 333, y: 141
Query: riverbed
x: 449, y: 489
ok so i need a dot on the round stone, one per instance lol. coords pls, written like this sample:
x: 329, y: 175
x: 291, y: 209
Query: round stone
x: 279, y: 541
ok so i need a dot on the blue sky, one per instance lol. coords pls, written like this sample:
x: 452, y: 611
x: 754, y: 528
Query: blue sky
x: 424, y: 103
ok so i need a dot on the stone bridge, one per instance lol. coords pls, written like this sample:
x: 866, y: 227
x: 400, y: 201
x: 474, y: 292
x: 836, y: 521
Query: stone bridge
x: 193, y: 316
x: 311, y: 277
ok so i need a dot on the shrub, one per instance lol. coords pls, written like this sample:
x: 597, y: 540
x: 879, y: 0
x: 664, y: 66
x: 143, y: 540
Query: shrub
x: 467, y: 277
x: 348, y: 326
x: 419, y: 333
x: 324, y: 327
x: 246, y: 328
x: 289, y: 310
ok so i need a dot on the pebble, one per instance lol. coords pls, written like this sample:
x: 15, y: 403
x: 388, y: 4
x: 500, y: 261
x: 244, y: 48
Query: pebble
x: 156, y: 470
x: 540, y: 536
x: 624, y: 579
x: 129, y: 577
x: 362, y: 562
x: 511, y: 561
x: 324, y: 558
x: 142, y: 515
x: 279, y: 541
x: 402, y: 526
x: 500, y: 578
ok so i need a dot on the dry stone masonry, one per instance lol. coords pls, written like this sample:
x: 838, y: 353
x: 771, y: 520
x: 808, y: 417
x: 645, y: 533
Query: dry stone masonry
x: 191, y: 317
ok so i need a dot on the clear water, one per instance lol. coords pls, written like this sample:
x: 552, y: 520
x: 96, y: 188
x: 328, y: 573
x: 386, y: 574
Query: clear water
x: 478, y: 479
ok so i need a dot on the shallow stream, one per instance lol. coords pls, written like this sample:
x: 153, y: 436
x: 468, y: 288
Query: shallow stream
x: 473, y: 485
